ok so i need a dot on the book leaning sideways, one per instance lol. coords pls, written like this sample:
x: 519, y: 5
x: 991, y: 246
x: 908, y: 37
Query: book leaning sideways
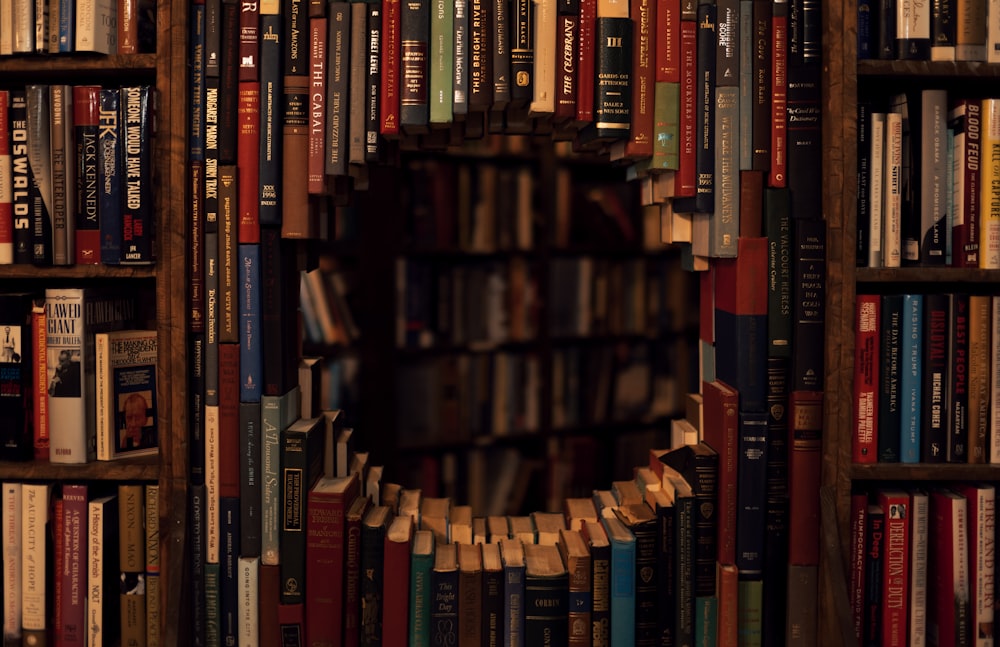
x: 74, y: 317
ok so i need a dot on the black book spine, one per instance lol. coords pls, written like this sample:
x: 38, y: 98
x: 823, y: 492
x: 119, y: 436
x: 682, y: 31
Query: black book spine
x: 958, y: 380
x: 229, y: 70
x: 808, y: 303
x: 600, y: 615
x: 493, y: 617
x: 704, y: 155
x: 666, y: 592
x: 890, y: 364
x: 279, y: 294
x: 138, y: 216
x: 413, y: 96
x: 18, y: 115
x: 373, y: 78
x: 863, y: 221
x: 196, y: 405
x: 211, y: 174
x: 777, y: 426
x: 229, y: 555
x: 936, y: 365
x: 612, y: 78
x: 196, y: 84
x: 213, y: 37
x: 686, y: 550
x: 522, y: 53
x: 250, y: 489
x: 196, y: 531
x: 761, y: 86
x: 775, y: 572
x: 874, y: 551
x: 271, y: 106
x: 886, y: 34
x: 751, y: 493
x: 646, y: 608
x: 942, y: 24
x: 501, y: 43
x: 463, y: 59
x: 372, y: 571
x: 480, y: 56
x: 778, y: 229
x: 301, y: 465
x: 546, y: 605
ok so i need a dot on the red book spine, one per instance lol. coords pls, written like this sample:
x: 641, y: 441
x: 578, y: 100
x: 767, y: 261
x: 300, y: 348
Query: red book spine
x: 40, y: 381
x: 291, y: 624
x: 247, y: 162
x: 128, y: 26
x: 566, y: 80
x: 87, y: 238
x: 396, y: 595
x: 685, y: 178
x: 864, y: 445
x: 859, y: 514
x: 804, y: 465
x: 268, y: 601
x: 389, y: 89
x: 721, y: 432
x: 948, y: 613
x: 727, y: 584
x: 640, y: 142
x: 895, y: 567
x: 229, y: 420
x: 585, y: 63
x: 73, y: 572
x: 779, y: 95
x: 326, y: 513
x: 316, y: 165
x: 667, y: 60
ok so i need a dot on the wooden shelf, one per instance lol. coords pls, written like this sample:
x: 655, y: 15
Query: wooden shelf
x: 928, y: 70
x: 925, y: 472
x: 143, y: 468
x: 94, y: 66
x: 76, y: 272
x: 926, y: 275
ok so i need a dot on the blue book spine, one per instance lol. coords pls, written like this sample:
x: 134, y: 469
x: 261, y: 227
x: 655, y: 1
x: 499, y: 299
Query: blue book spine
x: 229, y: 590
x: 196, y: 84
x: 741, y: 349
x: 271, y: 57
x: 251, y: 353
x: 623, y: 593
x: 250, y: 497
x: 67, y: 27
x: 444, y: 610
x: 137, y: 221
x: 513, y: 606
x: 910, y: 378
x: 751, y: 492
x: 109, y: 160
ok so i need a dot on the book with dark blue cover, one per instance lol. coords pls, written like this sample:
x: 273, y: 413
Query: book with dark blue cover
x: 196, y: 83
x: 109, y: 161
x: 444, y: 596
x: 138, y: 221
x: 229, y: 554
x: 808, y: 303
x: 251, y: 340
x: 889, y: 410
x: 751, y: 493
x: 271, y: 105
x: 910, y: 382
x: 640, y: 519
x: 622, y: 582
x: 512, y: 553
x: 546, y: 596
x: 250, y: 475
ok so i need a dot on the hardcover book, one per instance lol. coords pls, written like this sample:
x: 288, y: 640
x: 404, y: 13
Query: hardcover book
x: 396, y: 593
x: 301, y: 466
x: 17, y: 393
x: 277, y: 413
x: 270, y: 126
x: 250, y: 478
x: 546, y: 596
x: 891, y: 365
x: 75, y: 316
x: 374, y: 527
x: 103, y: 618
x: 414, y: 73
x: 444, y: 595
x: 86, y: 225
x: 132, y: 563
x: 421, y: 600
x: 866, y: 369
x: 138, y: 217
x: 126, y: 393
x: 935, y: 365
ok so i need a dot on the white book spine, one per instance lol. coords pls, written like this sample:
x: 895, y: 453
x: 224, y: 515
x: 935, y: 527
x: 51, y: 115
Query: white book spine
x: 23, y: 24
x: 11, y: 520
x: 544, y: 83
x: 892, y: 188
x: 212, y: 527
x: 248, y: 592
x: 35, y: 510
x: 982, y: 547
x: 875, y: 182
x: 95, y: 574
x: 919, y: 519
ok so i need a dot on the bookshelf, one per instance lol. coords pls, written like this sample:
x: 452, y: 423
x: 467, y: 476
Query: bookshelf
x: 162, y: 285
x: 846, y: 82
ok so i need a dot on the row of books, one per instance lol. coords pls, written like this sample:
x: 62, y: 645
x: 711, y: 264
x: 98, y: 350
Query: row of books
x: 914, y: 31
x: 922, y: 565
x: 67, y: 26
x: 326, y: 312
x: 78, y: 375
x: 81, y: 564
x: 927, y: 170
x: 78, y: 180
x: 925, y: 378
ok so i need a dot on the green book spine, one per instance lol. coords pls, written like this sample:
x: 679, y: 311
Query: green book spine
x: 442, y: 58
x: 751, y: 612
x: 706, y: 609
x: 724, y: 222
x: 420, y: 600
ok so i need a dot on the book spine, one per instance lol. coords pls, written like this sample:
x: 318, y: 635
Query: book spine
x: 567, y: 59
x: 705, y: 102
x: 866, y: 369
x: 250, y: 483
x: 196, y: 528
x: 154, y: 628
x: 957, y: 424
x: 546, y: 600
x: 806, y: 422
x: 138, y: 227
x: 513, y: 606
x: 642, y: 79
x: 373, y: 82
x: 72, y: 574
x: 420, y: 599
x: 751, y: 501
x: 132, y: 563
x: 62, y: 155
x: 942, y: 34
x: 247, y: 163
x: 724, y: 223
x: 522, y: 53
x: 979, y: 378
x: 864, y: 172
x: 964, y: 121
x: 933, y: 162
x: 6, y: 184
x: 229, y: 72
x: 622, y: 592
x: 808, y: 303
x: 895, y: 566
x: 778, y: 229
x: 462, y: 58
x: 296, y: 220
x: 39, y: 173
x: 684, y: 543
x: 86, y: 110
x: 803, y: 113
x: 251, y: 353
x: 325, y: 547
x: 229, y: 554
x: 372, y: 582
x: 228, y: 255
x: 613, y: 77
x: 414, y: 59
x: 876, y: 189
x: 440, y: 68
x: 318, y: 79
x: 760, y: 93
x: 600, y: 561
x: 249, y: 43
x: 913, y: 30
x: 248, y: 586
x: 874, y: 556
x: 390, y: 53
x: 779, y: 94
x: 271, y: 125
x: 934, y: 413
x: 890, y: 363
x: 585, y: 63
x: 989, y: 226
x: 858, y: 521
x: 686, y: 179
x: 910, y: 385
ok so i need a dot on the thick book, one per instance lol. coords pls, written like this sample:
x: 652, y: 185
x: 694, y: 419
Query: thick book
x: 70, y: 571
x: 935, y: 367
x: 621, y: 585
x: 250, y: 329
x: 864, y: 441
x: 808, y: 303
x: 640, y: 519
x: 741, y: 322
x: 17, y: 393
x: 389, y: 85
x: 470, y: 594
x: 980, y: 501
x: 86, y: 121
x: 103, y: 618
x: 890, y: 345
x: 751, y: 493
x: 957, y: 424
x: 277, y: 413
x: 576, y: 555
x: 250, y: 431
x: 546, y: 596
x: 512, y: 553
x: 612, y: 116
x: 980, y: 307
x: 126, y: 393
x: 278, y: 315
x: 444, y: 595
x: 132, y: 563
x: 421, y: 599
x: 138, y: 216
x: 74, y: 316
x: 414, y: 91
x: 301, y: 466
x: 804, y: 467
x: 396, y: 590
x: 248, y: 162
x: 374, y: 527
x: 270, y: 127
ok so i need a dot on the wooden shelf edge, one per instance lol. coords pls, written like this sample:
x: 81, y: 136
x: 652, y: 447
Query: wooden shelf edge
x: 925, y: 69
x: 144, y: 468
x: 925, y: 472
x: 22, y: 65
x: 926, y: 275
x: 75, y: 272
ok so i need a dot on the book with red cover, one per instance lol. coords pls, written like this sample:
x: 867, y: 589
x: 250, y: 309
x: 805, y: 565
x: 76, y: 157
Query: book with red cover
x: 268, y: 601
x: 895, y: 567
x: 864, y: 441
x: 980, y: 503
x: 741, y: 322
x: 948, y: 577
x: 804, y: 467
x: 721, y: 431
x: 229, y: 420
x: 585, y: 63
x: 567, y: 55
x: 291, y: 625
x: 326, y: 511
x: 389, y: 89
x: 396, y: 594
x: 667, y: 48
x: 316, y: 167
x: 72, y: 628
x: 727, y: 586
x: 685, y: 186
x: 779, y: 95
x: 248, y: 162
x: 86, y: 107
